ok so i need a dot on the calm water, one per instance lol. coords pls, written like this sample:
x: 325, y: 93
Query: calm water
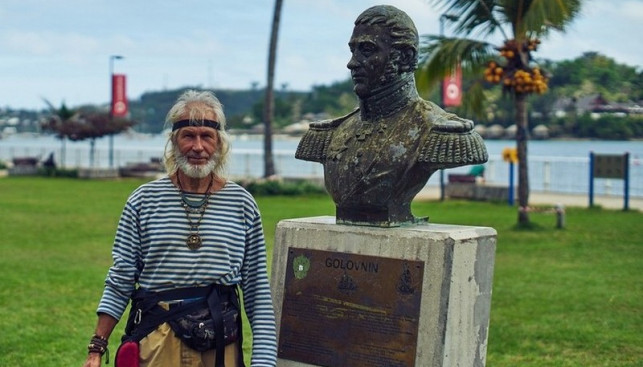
x: 554, y: 165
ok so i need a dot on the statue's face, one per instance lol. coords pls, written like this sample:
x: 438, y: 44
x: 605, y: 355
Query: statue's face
x: 371, y: 66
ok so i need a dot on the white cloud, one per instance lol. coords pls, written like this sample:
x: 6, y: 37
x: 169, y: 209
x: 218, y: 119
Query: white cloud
x: 62, y: 49
x: 631, y: 10
x: 48, y: 43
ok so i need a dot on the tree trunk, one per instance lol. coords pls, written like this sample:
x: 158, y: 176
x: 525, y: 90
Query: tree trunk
x: 522, y: 125
x: 269, y: 104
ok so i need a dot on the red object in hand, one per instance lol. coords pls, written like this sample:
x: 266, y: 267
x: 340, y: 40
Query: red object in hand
x: 127, y: 355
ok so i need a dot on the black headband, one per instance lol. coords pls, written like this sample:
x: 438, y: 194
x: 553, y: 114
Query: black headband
x: 185, y: 123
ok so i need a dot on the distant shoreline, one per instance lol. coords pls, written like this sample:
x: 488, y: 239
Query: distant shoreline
x: 234, y: 133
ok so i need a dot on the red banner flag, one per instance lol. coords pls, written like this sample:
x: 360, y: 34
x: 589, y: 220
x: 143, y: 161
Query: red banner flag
x: 452, y: 89
x: 119, y: 98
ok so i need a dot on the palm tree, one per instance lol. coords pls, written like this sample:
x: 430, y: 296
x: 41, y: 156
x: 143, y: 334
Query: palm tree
x: 269, y: 105
x: 510, y: 64
x: 54, y: 123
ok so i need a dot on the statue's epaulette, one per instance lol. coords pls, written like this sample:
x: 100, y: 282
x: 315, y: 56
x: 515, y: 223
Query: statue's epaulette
x: 314, y: 144
x: 453, y: 142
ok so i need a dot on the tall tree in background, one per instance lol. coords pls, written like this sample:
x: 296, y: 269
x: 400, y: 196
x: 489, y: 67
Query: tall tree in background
x: 56, y: 118
x: 269, y: 105
x: 509, y: 64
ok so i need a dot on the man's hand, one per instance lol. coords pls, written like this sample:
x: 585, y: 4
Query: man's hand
x: 93, y: 360
x: 104, y: 328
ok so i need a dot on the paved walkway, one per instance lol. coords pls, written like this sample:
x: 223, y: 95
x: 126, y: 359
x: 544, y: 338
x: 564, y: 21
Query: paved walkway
x: 548, y: 198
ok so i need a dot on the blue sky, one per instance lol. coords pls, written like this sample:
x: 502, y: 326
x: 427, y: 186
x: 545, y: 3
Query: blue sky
x: 60, y: 50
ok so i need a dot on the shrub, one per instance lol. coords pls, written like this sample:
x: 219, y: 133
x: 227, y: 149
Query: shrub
x: 58, y: 172
x: 277, y: 187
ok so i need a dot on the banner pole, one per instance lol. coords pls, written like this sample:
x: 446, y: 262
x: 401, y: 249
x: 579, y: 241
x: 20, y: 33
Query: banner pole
x: 591, y: 179
x: 626, y: 183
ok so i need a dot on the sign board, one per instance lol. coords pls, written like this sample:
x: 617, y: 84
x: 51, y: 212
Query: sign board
x: 343, y: 309
x: 609, y: 166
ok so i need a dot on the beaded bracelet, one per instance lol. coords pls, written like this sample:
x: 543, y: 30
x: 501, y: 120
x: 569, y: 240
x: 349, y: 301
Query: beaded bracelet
x: 98, y: 344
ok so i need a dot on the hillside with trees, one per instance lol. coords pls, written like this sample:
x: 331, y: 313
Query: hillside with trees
x: 591, y: 96
x: 244, y: 108
x: 568, y: 108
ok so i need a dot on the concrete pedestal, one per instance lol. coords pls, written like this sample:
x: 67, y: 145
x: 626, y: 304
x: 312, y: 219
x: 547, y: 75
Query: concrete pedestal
x: 456, y: 285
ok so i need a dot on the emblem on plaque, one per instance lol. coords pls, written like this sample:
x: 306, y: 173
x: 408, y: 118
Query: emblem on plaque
x: 300, y: 266
x: 346, y: 284
x: 404, y: 285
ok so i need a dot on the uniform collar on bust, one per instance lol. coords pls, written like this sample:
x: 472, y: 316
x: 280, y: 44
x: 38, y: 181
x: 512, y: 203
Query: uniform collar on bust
x: 389, y: 100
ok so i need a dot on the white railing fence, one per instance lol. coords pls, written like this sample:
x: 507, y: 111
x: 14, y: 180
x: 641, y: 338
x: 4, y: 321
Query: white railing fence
x: 546, y: 174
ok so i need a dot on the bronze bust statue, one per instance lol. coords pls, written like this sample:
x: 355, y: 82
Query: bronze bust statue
x: 377, y: 158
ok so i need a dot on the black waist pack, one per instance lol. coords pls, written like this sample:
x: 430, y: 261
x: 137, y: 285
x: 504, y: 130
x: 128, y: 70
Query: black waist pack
x: 211, y: 321
x: 197, y: 329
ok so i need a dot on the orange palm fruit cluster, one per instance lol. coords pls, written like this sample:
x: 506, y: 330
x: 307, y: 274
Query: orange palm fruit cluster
x: 493, y: 72
x: 507, y: 53
x: 526, y: 81
x: 509, y: 50
x: 516, y: 75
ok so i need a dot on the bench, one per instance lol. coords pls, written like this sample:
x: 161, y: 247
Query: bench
x: 24, y: 166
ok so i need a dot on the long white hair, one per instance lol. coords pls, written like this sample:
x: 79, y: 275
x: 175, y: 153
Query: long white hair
x: 196, y: 105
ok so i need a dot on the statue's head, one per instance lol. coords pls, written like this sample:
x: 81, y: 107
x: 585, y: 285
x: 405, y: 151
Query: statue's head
x: 384, y: 47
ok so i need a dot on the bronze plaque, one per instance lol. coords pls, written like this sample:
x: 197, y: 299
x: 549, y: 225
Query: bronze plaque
x: 342, y: 309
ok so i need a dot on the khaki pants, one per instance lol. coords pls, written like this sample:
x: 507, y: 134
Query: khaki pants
x: 161, y: 348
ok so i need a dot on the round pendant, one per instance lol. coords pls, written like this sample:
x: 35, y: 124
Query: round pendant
x: 194, y: 241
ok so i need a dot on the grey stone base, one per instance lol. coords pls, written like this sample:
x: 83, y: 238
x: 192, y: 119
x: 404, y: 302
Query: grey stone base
x: 456, y: 288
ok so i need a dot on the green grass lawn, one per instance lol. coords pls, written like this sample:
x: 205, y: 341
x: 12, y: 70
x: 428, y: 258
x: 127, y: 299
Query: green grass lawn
x: 570, y: 297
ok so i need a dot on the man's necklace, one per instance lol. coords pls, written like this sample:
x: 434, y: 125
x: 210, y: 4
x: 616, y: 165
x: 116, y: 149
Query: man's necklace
x: 194, y: 240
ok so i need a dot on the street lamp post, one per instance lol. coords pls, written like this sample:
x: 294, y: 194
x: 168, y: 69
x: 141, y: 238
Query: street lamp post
x: 111, y: 106
x: 452, y: 18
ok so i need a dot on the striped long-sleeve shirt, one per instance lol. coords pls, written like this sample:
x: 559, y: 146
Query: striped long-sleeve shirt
x: 150, y: 250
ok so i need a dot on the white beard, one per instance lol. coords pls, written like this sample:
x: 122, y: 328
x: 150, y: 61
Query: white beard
x: 194, y: 170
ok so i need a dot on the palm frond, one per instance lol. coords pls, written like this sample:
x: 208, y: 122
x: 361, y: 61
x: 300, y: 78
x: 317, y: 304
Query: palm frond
x: 50, y: 105
x: 543, y: 15
x: 474, y: 16
x: 536, y: 18
x: 474, y: 100
x: 63, y: 112
x: 440, y: 55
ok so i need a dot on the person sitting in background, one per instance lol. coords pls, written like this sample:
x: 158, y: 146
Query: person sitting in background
x: 477, y: 171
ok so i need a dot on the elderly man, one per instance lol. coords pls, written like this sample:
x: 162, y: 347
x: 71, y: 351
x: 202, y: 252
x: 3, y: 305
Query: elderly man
x: 377, y: 158
x: 183, y: 244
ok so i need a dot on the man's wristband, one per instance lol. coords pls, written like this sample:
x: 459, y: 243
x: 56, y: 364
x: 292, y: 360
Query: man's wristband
x: 98, y: 344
